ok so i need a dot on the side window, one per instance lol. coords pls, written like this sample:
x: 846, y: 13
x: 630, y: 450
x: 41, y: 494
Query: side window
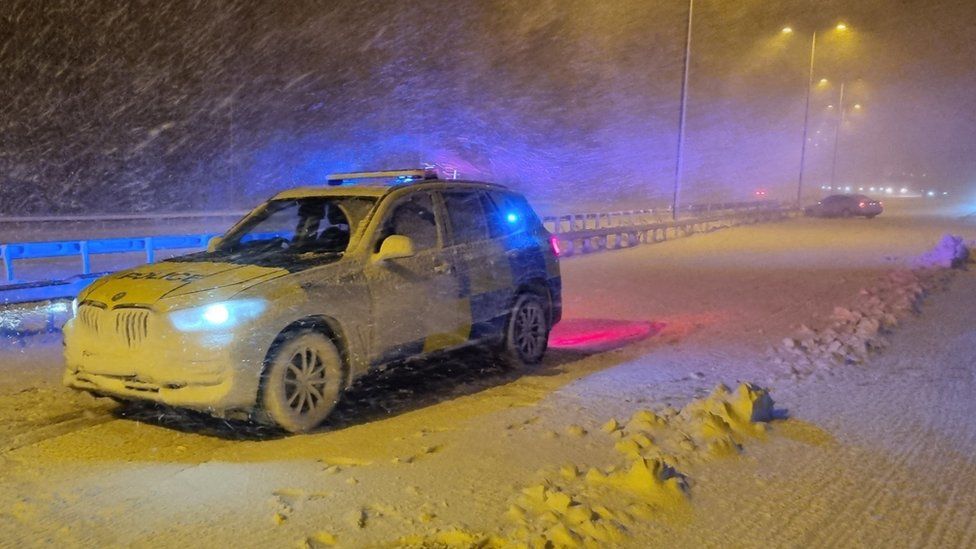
x: 512, y: 214
x: 498, y: 225
x: 413, y: 216
x: 468, y: 222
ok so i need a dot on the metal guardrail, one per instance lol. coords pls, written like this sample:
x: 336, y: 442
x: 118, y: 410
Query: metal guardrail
x: 84, y: 249
x: 591, y: 232
x: 119, y: 217
x: 583, y: 232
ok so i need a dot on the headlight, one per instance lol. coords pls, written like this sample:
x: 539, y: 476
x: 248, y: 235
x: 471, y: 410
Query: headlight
x: 225, y: 314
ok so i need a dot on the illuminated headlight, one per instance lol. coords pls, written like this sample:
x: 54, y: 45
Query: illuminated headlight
x: 226, y: 314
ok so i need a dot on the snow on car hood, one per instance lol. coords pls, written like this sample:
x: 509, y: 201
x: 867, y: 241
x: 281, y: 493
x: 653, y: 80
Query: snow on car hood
x: 148, y: 284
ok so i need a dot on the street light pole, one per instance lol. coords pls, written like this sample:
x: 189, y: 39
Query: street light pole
x: 681, y: 117
x: 840, y: 122
x: 806, y: 122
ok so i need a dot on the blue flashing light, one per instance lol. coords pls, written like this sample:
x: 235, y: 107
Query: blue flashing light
x: 511, y: 218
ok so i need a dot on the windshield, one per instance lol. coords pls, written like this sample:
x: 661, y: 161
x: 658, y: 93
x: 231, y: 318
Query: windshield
x: 320, y: 225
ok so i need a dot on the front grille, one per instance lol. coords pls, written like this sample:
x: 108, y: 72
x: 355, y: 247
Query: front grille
x: 128, y: 325
x: 89, y: 316
x: 132, y: 325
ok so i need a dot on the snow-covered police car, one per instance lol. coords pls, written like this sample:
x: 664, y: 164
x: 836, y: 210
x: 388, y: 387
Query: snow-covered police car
x: 313, y: 288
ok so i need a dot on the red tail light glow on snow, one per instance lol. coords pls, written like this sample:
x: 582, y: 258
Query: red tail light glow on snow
x: 554, y: 244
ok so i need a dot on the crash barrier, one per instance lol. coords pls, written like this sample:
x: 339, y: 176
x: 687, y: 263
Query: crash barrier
x: 590, y: 232
x: 578, y: 233
x: 84, y: 249
x: 99, y: 218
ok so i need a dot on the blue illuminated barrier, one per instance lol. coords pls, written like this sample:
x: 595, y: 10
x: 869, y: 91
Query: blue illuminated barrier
x: 83, y: 249
x: 590, y: 232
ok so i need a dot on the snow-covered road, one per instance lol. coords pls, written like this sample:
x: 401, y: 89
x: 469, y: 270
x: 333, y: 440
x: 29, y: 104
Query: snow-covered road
x: 873, y: 454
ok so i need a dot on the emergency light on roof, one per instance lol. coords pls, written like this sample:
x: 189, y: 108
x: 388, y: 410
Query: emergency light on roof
x: 399, y: 176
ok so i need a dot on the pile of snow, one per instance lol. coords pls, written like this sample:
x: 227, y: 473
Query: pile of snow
x: 950, y: 252
x: 599, y: 507
x: 855, y: 331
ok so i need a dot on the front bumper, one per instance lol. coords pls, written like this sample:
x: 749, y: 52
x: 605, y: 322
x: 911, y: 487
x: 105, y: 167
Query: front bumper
x: 200, y: 372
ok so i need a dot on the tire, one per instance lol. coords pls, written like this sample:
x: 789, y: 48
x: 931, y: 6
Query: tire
x: 872, y: 216
x: 302, y: 382
x: 847, y: 214
x: 526, y: 332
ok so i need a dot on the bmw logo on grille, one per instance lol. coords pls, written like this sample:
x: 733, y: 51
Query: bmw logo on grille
x: 118, y: 296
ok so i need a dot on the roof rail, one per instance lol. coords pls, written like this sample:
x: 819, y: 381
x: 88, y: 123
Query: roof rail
x: 399, y: 175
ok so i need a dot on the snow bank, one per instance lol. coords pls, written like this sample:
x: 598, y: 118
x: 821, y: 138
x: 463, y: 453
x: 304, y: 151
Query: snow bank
x: 951, y: 251
x: 599, y: 507
x: 855, y: 331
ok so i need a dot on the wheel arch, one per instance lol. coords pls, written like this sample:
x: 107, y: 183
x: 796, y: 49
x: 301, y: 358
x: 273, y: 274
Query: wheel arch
x: 535, y: 285
x: 327, y: 326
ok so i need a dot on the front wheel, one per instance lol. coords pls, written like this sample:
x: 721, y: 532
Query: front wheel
x: 527, y: 332
x: 303, y: 381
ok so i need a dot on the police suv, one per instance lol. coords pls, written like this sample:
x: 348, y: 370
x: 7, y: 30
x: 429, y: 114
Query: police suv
x: 314, y: 288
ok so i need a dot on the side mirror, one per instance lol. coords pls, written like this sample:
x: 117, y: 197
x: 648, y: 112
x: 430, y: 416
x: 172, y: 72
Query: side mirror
x: 394, y: 247
x: 213, y: 243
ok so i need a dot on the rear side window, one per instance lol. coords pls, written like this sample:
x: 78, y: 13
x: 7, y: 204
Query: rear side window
x: 468, y: 221
x: 510, y: 214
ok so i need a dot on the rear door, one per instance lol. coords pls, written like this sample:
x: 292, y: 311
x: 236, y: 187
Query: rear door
x: 481, y: 257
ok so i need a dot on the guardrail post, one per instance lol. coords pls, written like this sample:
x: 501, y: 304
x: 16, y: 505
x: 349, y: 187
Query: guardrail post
x: 8, y: 264
x: 85, y: 257
x: 150, y: 252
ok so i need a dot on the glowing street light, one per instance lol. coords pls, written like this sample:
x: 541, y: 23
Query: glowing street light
x: 806, y: 110
x: 824, y: 81
x: 857, y: 106
x: 787, y: 30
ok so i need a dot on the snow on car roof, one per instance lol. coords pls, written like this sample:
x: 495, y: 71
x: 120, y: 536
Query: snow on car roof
x: 375, y: 189
x: 344, y: 190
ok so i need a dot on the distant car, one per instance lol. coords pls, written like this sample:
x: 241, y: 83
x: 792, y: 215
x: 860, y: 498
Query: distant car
x: 846, y: 205
x: 314, y: 288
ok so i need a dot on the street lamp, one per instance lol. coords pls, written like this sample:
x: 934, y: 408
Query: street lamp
x: 678, y: 164
x: 806, y: 111
x: 841, y: 117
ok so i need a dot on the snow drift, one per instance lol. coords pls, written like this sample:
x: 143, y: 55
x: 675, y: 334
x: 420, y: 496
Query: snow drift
x: 599, y: 506
x: 857, y: 330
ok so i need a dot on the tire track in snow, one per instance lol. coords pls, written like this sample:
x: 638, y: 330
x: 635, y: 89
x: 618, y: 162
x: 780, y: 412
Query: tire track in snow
x: 36, y: 434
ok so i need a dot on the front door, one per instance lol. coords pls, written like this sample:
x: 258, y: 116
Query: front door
x: 414, y: 299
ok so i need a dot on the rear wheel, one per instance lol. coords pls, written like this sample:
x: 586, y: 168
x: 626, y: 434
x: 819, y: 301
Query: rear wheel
x: 527, y: 332
x: 303, y: 381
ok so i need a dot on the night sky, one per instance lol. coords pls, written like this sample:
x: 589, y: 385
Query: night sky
x: 215, y: 104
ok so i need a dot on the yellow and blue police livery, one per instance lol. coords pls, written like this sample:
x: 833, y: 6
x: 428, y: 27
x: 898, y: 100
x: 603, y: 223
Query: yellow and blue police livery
x: 314, y: 288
